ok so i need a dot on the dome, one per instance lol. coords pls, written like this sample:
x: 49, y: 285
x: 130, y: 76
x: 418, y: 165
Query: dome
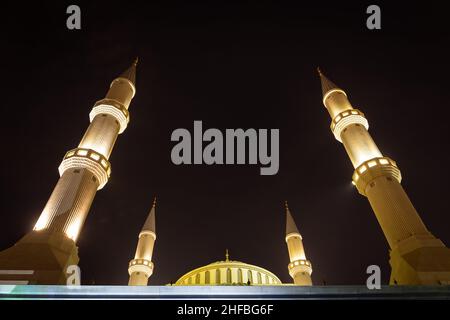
x: 228, y: 272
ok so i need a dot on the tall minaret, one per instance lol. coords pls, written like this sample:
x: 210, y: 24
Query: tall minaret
x: 141, y: 267
x: 416, y: 256
x: 83, y: 171
x: 300, y: 268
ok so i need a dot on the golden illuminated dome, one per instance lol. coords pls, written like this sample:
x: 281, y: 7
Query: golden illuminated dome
x: 228, y: 272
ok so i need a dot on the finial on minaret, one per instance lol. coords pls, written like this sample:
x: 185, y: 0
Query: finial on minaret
x: 154, y: 202
x: 130, y: 73
x: 227, y: 255
x: 327, y: 84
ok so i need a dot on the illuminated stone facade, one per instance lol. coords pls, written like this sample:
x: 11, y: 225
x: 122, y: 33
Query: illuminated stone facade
x: 416, y: 256
x: 43, y: 255
x: 299, y: 267
x: 141, y: 267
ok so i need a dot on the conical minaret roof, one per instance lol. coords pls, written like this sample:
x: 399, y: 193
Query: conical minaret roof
x: 291, y: 227
x: 327, y: 84
x: 149, y: 224
x: 130, y: 73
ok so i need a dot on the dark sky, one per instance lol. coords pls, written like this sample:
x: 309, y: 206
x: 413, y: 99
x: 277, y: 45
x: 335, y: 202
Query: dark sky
x: 231, y: 66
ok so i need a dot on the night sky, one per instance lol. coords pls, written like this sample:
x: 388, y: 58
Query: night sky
x: 231, y: 66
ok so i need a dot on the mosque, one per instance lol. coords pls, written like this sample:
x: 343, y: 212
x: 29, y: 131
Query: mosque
x: 43, y: 256
x: 227, y: 272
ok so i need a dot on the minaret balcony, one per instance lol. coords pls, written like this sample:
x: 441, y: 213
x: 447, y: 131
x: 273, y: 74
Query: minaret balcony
x: 87, y: 158
x: 113, y: 108
x: 372, y: 169
x: 346, y: 118
x: 141, y: 265
x: 301, y: 265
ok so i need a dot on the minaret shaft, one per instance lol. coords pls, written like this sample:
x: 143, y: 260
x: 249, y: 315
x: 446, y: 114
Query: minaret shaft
x: 50, y: 248
x: 295, y: 247
x: 393, y: 209
x: 359, y: 144
x: 69, y: 203
x: 145, y: 247
x: 122, y: 90
x: 101, y: 135
x: 141, y: 267
x: 300, y: 267
x: 396, y: 214
x: 337, y: 102
x: 86, y: 169
x: 378, y: 178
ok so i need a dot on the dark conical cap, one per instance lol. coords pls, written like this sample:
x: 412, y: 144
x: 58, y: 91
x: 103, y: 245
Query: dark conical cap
x: 149, y: 224
x: 130, y: 73
x: 327, y: 84
x: 291, y: 227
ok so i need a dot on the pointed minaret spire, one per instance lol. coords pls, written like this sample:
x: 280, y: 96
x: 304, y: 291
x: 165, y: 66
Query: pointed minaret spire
x: 227, y: 255
x: 149, y: 224
x: 300, y: 268
x: 334, y: 98
x: 291, y: 227
x: 130, y: 73
x: 118, y: 98
x: 141, y: 267
x: 327, y: 84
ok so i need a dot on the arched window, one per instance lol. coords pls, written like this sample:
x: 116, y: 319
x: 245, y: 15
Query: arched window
x: 250, y: 276
x: 218, y: 276
x: 228, y: 275
x: 265, y: 279
x: 259, y: 278
x: 240, y: 276
x: 207, y: 279
x: 197, y: 278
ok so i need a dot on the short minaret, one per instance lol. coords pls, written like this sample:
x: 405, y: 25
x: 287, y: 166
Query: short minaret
x: 141, y: 267
x: 300, y: 268
x: 83, y: 170
x: 416, y: 256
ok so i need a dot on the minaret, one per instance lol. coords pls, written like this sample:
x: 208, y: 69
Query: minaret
x: 300, y: 268
x: 50, y: 248
x: 141, y: 267
x: 416, y: 256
